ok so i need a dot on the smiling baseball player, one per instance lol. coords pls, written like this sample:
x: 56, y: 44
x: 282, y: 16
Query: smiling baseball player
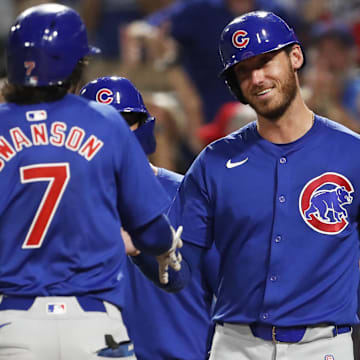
x: 279, y: 198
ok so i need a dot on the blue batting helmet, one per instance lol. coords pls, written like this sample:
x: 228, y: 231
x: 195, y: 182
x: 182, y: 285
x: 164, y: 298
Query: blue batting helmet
x: 251, y: 34
x: 125, y: 98
x: 45, y: 44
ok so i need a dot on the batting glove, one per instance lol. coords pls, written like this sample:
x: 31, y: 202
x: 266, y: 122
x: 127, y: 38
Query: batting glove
x: 170, y: 257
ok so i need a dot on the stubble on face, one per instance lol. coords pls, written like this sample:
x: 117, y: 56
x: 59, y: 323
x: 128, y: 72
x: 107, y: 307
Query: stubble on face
x: 274, y: 108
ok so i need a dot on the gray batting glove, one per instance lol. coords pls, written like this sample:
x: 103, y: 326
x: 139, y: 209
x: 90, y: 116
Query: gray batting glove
x: 170, y: 257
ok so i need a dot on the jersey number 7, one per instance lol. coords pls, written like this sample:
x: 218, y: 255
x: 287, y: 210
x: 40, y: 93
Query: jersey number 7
x: 58, y: 175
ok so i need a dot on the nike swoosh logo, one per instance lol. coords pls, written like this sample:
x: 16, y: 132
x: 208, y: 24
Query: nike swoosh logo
x: 231, y: 165
x: 2, y: 325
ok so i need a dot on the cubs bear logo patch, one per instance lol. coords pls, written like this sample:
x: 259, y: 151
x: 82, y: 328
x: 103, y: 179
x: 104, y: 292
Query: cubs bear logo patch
x: 323, y: 202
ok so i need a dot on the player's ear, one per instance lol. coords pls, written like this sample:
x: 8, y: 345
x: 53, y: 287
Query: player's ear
x: 296, y: 57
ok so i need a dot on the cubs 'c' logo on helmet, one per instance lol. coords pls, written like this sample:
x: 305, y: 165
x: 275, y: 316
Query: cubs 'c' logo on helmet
x: 104, y: 96
x: 239, y: 40
x: 322, y: 203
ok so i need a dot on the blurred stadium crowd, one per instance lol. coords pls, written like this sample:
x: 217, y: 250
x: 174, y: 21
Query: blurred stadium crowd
x: 169, y: 50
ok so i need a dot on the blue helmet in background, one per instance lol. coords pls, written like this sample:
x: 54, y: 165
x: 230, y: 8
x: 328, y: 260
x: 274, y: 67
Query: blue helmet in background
x: 45, y: 44
x: 252, y: 34
x: 125, y: 98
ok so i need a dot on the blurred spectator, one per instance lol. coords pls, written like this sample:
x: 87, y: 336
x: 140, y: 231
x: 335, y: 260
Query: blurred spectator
x: 332, y: 75
x: 195, y: 27
x: 2, y: 82
x: 230, y: 117
x: 105, y: 20
x: 7, y: 14
x: 168, y: 130
x: 327, y: 11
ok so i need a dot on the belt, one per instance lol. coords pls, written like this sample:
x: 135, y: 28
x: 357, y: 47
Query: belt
x: 25, y: 302
x: 288, y: 334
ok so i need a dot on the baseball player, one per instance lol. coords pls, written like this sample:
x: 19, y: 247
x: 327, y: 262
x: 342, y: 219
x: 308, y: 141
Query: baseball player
x: 162, y: 326
x: 71, y: 174
x: 279, y: 198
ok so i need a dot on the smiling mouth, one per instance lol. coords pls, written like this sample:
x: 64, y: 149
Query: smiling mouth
x: 263, y: 92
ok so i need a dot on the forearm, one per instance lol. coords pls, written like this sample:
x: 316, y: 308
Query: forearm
x: 153, y: 238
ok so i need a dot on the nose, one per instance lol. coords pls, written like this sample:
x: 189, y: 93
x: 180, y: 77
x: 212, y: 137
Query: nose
x: 257, y: 76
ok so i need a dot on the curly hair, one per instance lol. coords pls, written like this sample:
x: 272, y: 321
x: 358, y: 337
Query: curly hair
x: 26, y: 95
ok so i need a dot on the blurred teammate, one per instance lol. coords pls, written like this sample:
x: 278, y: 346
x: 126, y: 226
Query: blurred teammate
x: 69, y: 171
x: 279, y: 198
x: 162, y: 326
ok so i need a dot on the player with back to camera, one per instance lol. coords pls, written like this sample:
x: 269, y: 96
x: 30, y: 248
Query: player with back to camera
x: 279, y: 199
x: 162, y: 326
x: 71, y: 173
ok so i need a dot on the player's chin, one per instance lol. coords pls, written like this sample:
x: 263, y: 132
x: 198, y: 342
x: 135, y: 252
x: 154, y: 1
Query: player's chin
x: 268, y: 109
x: 272, y: 112
x: 260, y: 105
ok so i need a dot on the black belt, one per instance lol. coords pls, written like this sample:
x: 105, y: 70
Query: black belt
x: 25, y: 302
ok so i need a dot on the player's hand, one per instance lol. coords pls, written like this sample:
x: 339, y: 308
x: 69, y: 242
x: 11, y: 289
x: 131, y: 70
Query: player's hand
x: 171, y: 257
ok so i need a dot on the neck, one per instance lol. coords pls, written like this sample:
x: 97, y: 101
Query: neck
x: 294, y: 123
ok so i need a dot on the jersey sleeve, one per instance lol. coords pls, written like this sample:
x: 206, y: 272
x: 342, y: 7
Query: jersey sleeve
x: 141, y: 198
x: 192, y: 207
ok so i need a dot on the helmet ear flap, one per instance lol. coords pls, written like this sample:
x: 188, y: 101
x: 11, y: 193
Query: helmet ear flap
x: 233, y: 85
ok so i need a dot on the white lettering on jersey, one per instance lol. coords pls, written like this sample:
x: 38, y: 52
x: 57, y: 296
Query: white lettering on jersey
x: 57, y: 137
x: 74, y: 140
x: 6, y: 150
x: 90, y: 148
x: 39, y: 134
x: 19, y: 139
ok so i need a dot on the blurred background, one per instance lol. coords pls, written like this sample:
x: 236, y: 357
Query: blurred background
x: 169, y: 50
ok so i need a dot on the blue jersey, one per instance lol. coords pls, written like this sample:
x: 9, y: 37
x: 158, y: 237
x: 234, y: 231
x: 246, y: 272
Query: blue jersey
x: 166, y: 326
x: 69, y: 170
x: 284, y: 220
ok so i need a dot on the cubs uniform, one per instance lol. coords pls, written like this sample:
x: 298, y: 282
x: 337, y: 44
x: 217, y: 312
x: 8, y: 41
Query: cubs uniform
x: 171, y: 326
x: 161, y: 325
x: 284, y: 220
x: 71, y: 174
x: 58, y: 204
x: 278, y: 199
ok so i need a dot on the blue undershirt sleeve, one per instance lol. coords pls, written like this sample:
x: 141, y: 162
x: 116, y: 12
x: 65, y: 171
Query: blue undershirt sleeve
x: 153, y: 238
x: 191, y: 254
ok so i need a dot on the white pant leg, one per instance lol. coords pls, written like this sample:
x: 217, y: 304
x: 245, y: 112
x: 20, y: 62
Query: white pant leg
x: 72, y: 335
x: 236, y: 342
x: 339, y: 347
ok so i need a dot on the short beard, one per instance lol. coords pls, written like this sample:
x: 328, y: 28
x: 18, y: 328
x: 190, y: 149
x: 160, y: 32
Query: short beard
x: 289, y: 91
